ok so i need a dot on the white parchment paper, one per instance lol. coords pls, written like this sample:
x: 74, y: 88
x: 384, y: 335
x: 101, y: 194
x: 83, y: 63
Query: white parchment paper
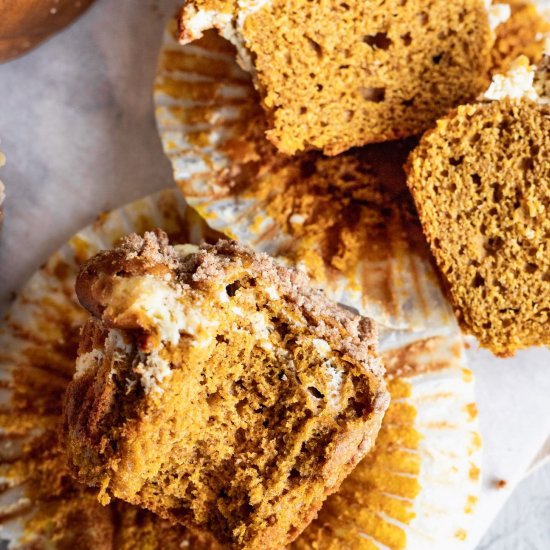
x: 78, y: 131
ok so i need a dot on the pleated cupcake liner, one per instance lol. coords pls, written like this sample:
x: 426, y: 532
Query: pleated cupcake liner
x: 419, y: 485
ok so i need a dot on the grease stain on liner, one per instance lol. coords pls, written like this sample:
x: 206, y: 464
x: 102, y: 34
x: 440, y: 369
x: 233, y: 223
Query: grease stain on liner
x: 347, y: 220
x: 416, y: 487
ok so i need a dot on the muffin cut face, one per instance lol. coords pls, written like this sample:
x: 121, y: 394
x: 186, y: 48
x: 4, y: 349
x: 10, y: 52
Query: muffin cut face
x: 481, y: 183
x: 218, y: 390
x: 333, y: 75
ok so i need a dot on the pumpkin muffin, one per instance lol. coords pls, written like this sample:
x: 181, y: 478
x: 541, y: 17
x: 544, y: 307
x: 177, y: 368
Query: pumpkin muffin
x: 333, y: 75
x: 217, y: 389
x: 481, y: 183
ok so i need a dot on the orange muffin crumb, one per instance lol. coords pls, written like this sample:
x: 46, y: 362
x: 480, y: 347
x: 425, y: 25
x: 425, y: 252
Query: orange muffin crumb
x: 522, y: 34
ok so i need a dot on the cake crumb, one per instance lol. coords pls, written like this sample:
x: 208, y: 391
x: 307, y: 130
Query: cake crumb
x: 500, y: 483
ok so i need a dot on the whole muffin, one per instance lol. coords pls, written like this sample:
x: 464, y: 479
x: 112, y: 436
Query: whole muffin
x: 26, y: 23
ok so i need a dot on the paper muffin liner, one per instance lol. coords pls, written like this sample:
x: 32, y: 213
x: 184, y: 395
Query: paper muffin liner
x: 359, y: 238
x: 40, y: 506
x: 441, y: 387
x: 419, y: 486
x: 543, y: 7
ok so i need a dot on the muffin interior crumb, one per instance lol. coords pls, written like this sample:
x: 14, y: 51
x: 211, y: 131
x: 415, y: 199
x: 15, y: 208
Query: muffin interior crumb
x: 243, y: 423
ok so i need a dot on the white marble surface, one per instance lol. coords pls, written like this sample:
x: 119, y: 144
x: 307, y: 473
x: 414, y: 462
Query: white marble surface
x: 524, y: 522
x: 77, y: 127
x: 514, y: 412
x: 78, y: 130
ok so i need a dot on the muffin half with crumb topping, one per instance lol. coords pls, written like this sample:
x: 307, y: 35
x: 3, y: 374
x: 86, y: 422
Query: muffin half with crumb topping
x: 218, y: 389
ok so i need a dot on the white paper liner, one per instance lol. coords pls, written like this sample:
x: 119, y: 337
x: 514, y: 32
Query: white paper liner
x: 543, y: 7
x: 444, y: 404
x: 431, y: 379
x: 37, y: 348
x: 37, y: 351
x: 212, y: 131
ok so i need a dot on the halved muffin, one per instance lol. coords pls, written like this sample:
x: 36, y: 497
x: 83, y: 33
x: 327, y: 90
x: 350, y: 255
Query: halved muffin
x: 481, y: 183
x: 333, y: 75
x: 217, y: 389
